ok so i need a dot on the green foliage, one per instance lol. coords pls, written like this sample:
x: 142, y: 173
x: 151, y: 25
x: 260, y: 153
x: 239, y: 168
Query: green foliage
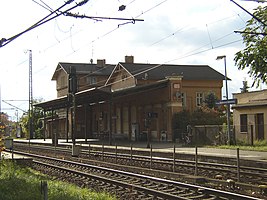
x: 254, y: 56
x: 202, y: 116
x: 245, y: 87
x: 207, y: 116
x: 181, y: 120
x: 18, y: 183
x: 37, y: 116
x: 259, y: 145
x: 262, y: 143
x: 210, y: 100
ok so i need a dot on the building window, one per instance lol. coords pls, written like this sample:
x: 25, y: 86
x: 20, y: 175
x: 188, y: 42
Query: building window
x: 199, y: 98
x: 124, y: 77
x: 176, y: 86
x: 91, y: 80
x: 183, y: 96
x: 243, y: 123
x: 63, y: 81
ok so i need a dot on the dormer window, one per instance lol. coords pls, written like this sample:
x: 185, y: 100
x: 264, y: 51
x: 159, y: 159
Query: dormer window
x: 63, y: 81
x: 91, y: 80
x: 124, y: 77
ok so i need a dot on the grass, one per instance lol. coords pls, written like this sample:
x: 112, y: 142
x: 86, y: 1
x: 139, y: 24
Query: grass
x: 23, y: 183
x: 259, y: 145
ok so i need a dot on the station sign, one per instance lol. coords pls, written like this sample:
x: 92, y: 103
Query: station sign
x: 225, y: 102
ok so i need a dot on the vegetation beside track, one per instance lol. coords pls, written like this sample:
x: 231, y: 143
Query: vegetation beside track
x: 259, y: 145
x: 23, y: 183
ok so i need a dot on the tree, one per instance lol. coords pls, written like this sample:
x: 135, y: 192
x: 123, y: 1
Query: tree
x: 207, y: 116
x: 210, y: 100
x: 245, y: 87
x: 37, y: 122
x: 254, y: 56
x: 202, y: 116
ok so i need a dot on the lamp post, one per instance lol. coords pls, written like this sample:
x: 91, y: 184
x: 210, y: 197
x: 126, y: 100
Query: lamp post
x: 228, y: 105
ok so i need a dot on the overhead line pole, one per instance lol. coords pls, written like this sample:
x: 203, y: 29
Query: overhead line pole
x: 30, y: 97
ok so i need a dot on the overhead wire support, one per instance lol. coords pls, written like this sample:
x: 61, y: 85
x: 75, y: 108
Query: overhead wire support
x: 30, y: 113
x: 46, y: 19
x: 5, y: 101
x: 255, y: 17
x: 100, y: 18
x: 44, y: 5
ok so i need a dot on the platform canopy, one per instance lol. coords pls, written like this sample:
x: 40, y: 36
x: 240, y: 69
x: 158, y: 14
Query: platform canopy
x: 97, y: 95
x: 86, y: 97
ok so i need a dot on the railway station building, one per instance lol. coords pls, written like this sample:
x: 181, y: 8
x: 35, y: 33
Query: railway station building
x: 249, y: 116
x: 125, y: 101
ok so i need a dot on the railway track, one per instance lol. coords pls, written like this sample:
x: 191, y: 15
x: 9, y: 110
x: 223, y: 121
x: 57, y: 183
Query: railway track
x: 126, y: 185
x: 223, y: 176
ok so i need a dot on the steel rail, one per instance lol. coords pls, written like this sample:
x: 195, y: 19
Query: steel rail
x: 178, y: 162
x: 206, y: 190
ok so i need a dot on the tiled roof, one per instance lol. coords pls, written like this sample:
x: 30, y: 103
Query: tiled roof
x: 189, y: 72
x: 148, y: 71
x: 85, y: 68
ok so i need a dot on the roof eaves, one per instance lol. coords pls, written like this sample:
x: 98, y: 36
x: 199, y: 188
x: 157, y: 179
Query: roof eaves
x: 59, y: 67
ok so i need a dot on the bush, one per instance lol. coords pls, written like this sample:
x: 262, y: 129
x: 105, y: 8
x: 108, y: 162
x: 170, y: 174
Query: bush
x: 260, y: 143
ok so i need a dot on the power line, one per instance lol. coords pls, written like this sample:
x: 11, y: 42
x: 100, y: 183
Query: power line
x: 100, y: 18
x: 188, y: 54
x: 5, y: 101
x: 113, y: 30
x: 252, y: 15
x: 46, y: 19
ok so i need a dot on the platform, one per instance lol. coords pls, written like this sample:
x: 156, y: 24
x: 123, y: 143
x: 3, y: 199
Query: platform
x: 8, y: 155
x: 163, y: 147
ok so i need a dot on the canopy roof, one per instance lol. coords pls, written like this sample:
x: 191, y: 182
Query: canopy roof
x: 93, y: 95
x: 96, y: 95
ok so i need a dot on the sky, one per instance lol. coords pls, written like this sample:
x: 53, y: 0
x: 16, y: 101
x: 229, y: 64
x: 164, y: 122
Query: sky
x: 173, y: 32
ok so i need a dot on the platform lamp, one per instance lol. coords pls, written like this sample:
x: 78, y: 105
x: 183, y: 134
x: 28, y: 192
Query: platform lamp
x: 228, y: 105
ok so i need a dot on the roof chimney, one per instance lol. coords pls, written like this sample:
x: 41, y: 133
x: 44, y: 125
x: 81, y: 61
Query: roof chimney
x: 101, y: 62
x: 129, y: 59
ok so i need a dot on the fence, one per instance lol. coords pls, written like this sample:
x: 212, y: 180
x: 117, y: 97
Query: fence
x: 212, y: 135
x: 217, y: 134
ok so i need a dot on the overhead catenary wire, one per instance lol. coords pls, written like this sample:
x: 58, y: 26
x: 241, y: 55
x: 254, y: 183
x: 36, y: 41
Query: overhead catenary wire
x: 137, y: 73
x: 4, y: 41
x: 252, y: 15
x: 44, y: 6
x: 197, y: 51
x: 157, y: 42
x: 116, y: 28
x: 176, y: 57
x: 46, y: 19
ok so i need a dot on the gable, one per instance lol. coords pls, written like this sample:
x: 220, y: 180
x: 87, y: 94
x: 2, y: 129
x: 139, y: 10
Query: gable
x: 120, y: 78
x: 83, y: 68
x: 58, y: 70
